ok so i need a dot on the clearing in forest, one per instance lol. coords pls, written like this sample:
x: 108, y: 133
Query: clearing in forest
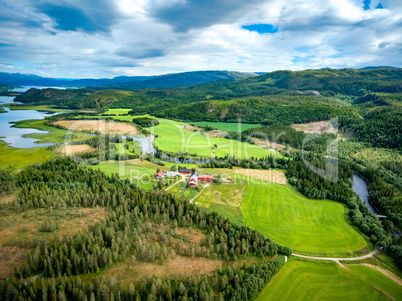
x: 315, y: 127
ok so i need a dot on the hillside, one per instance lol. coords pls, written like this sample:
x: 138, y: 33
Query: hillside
x: 174, y: 80
x: 125, y: 82
x: 346, y: 84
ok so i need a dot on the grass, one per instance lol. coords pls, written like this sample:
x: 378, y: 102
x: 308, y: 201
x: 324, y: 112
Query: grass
x: 139, y: 172
x: 172, y: 137
x: 227, y: 127
x: 55, y: 135
x: 43, y: 108
x: 309, y: 226
x: 308, y: 280
x: 20, y: 157
x: 224, y: 194
x: 379, y: 280
x: 232, y: 213
x: 116, y: 112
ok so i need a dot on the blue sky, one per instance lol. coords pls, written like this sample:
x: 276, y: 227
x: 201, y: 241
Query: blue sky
x: 105, y: 38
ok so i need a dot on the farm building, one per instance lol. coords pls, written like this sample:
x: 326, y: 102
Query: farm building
x: 184, y: 170
x: 172, y: 174
x: 193, y: 180
x: 206, y: 178
x: 160, y: 175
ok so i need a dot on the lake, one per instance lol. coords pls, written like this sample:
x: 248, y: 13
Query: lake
x: 13, y: 135
x: 26, y: 88
x: 7, y: 99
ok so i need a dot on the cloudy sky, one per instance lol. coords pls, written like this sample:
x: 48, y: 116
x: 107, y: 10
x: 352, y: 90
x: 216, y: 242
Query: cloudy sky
x: 105, y: 38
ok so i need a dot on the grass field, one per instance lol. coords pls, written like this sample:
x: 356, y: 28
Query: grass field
x: 172, y: 137
x: 224, y: 194
x: 313, y: 226
x: 140, y: 172
x: 116, y: 112
x: 44, y: 108
x: 55, y: 135
x: 20, y: 157
x: 227, y: 127
x: 307, y: 280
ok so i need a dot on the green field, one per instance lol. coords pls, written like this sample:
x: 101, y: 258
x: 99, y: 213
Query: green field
x: 307, y: 280
x: 20, y: 157
x: 227, y: 127
x: 305, y: 225
x: 55, y: 135
x: 117, y: 112
x: 172, y: 137
x: 44, y: 108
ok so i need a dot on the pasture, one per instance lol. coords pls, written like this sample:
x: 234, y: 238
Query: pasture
x: 308, y: 280
x: 305, y: 225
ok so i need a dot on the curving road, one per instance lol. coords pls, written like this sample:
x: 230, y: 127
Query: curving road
x: 338, y: 259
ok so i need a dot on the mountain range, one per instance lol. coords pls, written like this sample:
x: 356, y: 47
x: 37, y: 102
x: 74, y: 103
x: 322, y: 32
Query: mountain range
x: 125, y: 82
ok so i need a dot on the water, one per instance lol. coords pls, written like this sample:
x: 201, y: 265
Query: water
x: 146, y: 144
x: 361, y: 188
x: 26, y: 88
x: 7, y: 99
x: 13, y: 135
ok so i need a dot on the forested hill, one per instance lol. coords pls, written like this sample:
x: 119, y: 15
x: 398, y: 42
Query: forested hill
x: 345, y: 84
x: 125, y: 82
x: 174, y: 80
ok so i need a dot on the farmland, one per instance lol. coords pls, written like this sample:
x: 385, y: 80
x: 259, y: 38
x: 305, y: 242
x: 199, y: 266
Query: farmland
x: 260, y: 199
x: 171, y: 136
x: 307, y: 280
x: 314, y: 226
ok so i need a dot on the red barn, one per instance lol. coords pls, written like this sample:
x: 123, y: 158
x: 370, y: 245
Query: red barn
x: 205, y: 178
x: 184, y: 170
x: 159, y: 175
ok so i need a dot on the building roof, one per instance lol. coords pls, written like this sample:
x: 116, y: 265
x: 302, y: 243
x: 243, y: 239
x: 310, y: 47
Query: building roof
x: 160, y: 173
x: 185, y: 170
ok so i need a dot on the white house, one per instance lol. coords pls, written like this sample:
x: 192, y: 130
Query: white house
x: 172, y: 173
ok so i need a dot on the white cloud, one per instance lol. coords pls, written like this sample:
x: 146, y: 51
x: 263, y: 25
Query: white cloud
x: 313, y: 34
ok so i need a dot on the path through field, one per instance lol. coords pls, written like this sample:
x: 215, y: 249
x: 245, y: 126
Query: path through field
x: 181, y: 180
x: 338, y: 259
x: 199, y: 193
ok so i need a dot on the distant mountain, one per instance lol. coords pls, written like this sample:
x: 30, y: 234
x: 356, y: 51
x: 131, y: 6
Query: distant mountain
x: 175, y: 80
x: 19, y: 79
x: 125, y: 82
x: 377, y: 67
x: 347, y: 84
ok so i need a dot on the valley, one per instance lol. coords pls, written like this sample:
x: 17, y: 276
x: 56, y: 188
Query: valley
x: 96, y: 201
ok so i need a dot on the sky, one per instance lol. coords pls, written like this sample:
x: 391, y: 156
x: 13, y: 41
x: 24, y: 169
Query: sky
x: 107, y: 38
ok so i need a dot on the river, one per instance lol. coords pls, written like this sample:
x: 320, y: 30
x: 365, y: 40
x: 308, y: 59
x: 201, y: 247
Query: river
x: 360, y: 186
